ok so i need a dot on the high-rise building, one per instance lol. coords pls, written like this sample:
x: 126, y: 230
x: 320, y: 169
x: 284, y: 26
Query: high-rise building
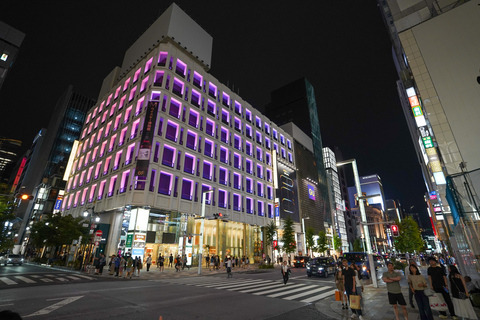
x: 10, y: 41
x: 435, y: 50
x: 9, y: 149
x: 164, y: 135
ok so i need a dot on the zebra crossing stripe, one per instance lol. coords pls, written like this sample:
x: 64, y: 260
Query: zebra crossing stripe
x: 254, y: 285
x: 288, y: 291
x: 307, y: 293
x: 319, y: 297
x: 35, y: 276
x: 61, y: 279
x: 8, y: 281
x: 46, y: 280
x: 86, y: 277
x: 228, y: 283
x: 266, y: 286
x: 25, y: 279
x: 241, y: 285
x: 278, y: 289
x: 73, y: 278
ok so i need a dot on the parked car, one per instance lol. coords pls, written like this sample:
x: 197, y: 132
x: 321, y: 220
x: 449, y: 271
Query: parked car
x: 300, y: 261
x: 360, y: 259
x: 321, y: 266
x: 11, y: 258
x: 379, y: 261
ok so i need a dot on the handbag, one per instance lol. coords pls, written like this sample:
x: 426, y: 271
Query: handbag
x: 428, y: 292
x: 355, y: 301
x: 461, y: 294
x: 437, y: 303
x: 338, y: 296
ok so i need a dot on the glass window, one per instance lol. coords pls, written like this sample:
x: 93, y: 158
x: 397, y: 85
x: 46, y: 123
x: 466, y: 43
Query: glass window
x: 212, y: 90
x: 207, y: 170
x: 248, y: 148
x: 258, y: 122
x: 237, y: 181
x: 225, y: 116
x: 193, y: 118
x: 223, y: 155
x: 290, y: 157
x: 189, y: 164
x: 197, y: 79
x: 162, y: 59
x: 222, y: 198
x: 124, y: 181
x: 238, y: 108
x: 237, y: 202
x: 269, y: 193
x: 259, y: 154
x: 259, y: 137
x: 178, y: 87
x: 187, y: 189
x: 237, y: 161
x: 275, y: 134
x: 195, y: 98
x: 248, y: 115
x: 249, y: 205
x: 248, y: 185
x: 248, y: 166
x: 225, y: 99
x: 208, y: 149
x: 171, y: 132
x: 289, y: 144
x: 165, y: 183
x: 248, y: 131
x: 267, y: 128
x: 191, y: 140
x: 211, y: 108
x: 237, y: 143
x: 136, y: 75
x: 181, y: 68
x: 260, y: 208
x: 260, y: 171
x: 223, y: 176
x: 209, y: 127
x: 224, y: 135
x: 175, y: 108
x: 168, y: 158
x: 259, y: 189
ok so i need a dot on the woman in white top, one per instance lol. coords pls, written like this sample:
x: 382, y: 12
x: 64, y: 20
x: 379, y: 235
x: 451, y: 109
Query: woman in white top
x: 285, y: 272
x: 358, y: 282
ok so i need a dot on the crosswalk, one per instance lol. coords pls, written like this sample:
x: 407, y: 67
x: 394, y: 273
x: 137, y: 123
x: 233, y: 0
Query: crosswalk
x: 13, y: 280
x: 268, y: 288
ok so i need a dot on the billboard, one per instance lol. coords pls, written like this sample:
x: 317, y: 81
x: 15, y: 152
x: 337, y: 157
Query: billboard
x: 311, y: 192
x: 147, y: 137
x: 287, y: 192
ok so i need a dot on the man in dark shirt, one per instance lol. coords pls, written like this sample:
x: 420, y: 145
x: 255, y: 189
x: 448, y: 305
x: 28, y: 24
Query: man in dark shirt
x: 439, y: 284
x: 349, y: 281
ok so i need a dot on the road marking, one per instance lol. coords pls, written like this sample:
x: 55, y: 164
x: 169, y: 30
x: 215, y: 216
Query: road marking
x: 223, y: 283
x: 61, y: 279
x: 4, y: 305
x: 86, y: 277
x: 244, y: 284
x: 46, y: 280
x: 267, y: 286
x: 73, y: 278
x: 54, y: 307
x: 306, y: 293
x: 8, y: 281
x: 36, y: 276
x: 24, y: 279
x: 319, y: 297
x: 287, y: 291
x: 278, y: 289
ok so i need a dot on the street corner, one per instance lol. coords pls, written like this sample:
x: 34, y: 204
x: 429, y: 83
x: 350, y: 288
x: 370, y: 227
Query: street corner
x: 332, y: 309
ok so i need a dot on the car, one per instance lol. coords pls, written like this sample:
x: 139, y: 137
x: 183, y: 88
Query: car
x: 321, y: 266
x: 379, y: 261
x: 402, y: 257
x: 300, y: 261
x: 11, y: 259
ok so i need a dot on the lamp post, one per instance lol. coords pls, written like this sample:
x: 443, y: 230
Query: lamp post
x: 304, y: 236
x: 202, y: 226
x: 364, y: 217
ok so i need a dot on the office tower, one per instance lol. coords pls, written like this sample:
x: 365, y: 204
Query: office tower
x: 10, y: 41
x: 9, y: 149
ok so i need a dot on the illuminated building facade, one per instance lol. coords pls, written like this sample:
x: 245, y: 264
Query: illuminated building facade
x: 165, y: 132
x: 9, y: 149
x: 10, y: 41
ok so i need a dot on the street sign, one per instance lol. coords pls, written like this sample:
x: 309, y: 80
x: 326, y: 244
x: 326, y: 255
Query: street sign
x: 98, y: 233
x: 97, y: 243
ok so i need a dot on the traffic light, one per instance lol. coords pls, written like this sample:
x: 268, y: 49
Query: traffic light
x: 24, y: 196
x: 218, y: 215
x: 395, y: 230
x: 189, y: 240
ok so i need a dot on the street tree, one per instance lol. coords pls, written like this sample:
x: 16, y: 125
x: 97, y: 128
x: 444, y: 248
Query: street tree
x: 6, y: 216
x: 357, y: 245
x: 337, y: 242
x: 289, y: 245
x: 270, y: 231
x: 410, y: 237
x: 310, y: 241
x: 322, y: 242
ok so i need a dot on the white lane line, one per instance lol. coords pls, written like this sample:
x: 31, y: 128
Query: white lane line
x: 319, y: 297
x: 287, y: 291
x: 8, y: 281
x: 306, y: 293
x: 263, y: 287
x: 4, y: 305
x: 46, y: 280
x: 36, y: 276
x: 245, y: 284
x: 73, y: 278
x: 54, y: 307
x: 278, y: 289
x: 61, y: 279
x: 86, y: 277
x: 25, y: 279
x: 225, y: 283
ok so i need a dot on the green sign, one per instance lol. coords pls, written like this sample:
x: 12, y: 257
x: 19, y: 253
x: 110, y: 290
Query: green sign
x: 427, y: 142
x: 129, y: 242
x: 417, y: 111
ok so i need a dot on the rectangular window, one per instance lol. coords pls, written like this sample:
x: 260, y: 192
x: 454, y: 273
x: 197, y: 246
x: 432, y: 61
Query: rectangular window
x: 260, y: 189
x: 269, y: 175
x: 248, y: 148
x: 158, y: 81
x: 97, y: 169
x: 238, y: 108
x: 77, y: 195
x: 129, y: 155
x: 101, y: 190
x: 193, y: 118
x: 290, y: 157
x: 117, y: 122
x: 259, y: 154
x: 151, y: 187
x: 208, y: 149
x: 209, y: 127
x: 267, y: 128
x: 237, y: 161
x: 282, y: 139
x: 175, y: 108
x: 258, y: 122
x: 123, y: 135
x: 225, y: 99
x: 189, y: 164
x: 103, y: 148
x: 107, y: 128
x: 211, y: 108
x: 118, y: 158
x: 181, y: 68
x: 237, y: 181
x: 89, y: 116
x: 134, y: 130
x: 248, y: 131
x: 139, y: 107
x: 260, y: 171
x: 225, y: 116
x: 111, y: 186
x: 224, y: 133
x: 269, y: 193
x: 131, y: 96
x: 283, y: 153
x: 248, y: 185
x: 222, y: 198
x: 100, y: 109
x: 162, y: 59
x: 270, y: 210
x: 224, y: 155
x: 124, y: 181
x: 275, y: 135
x: 91, y: 196
x: 168, y: 158
x: 122, y: 102
x: 172, y: 131
x: 206, y: 187
x: 259, y: 137
x: 82, y: 177
x: 89, y: 174
x: 107, y: 165
x: 248, y: 166
x: 249, y: 205
x: 178, y: 87
x: 195, y: 98
x: 148, y: 65
x: 127, y: 114
x: 207, y: 170
x: 237, y: 142
x: 75, y: 181
x: 223, y: 176
x: 187, y: 189
x: 112, y: 110
x: 112, y: 143
x: 289, y: 144
x: 237, y: 202
x: 248, y: 115
x: 191, y: 140
x: 212, y: 90
x: 267, y: 143
x: 197, y: 79
x: 275, y: 147
x: 238, y: 124
x: 165, y: 183
x: 260, y: 209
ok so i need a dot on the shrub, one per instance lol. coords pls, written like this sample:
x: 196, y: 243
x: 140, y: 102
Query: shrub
x: 266, y: 266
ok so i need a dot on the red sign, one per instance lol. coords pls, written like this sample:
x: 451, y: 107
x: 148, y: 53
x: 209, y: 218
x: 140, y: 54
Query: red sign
x: 98, y: 233
x: 275, y: 243
x: 97, y: 243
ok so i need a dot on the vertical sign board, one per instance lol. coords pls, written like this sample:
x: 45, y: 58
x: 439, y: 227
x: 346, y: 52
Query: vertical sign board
x: 145, y: 149
x: 287, y: 192
x: 311, y: 192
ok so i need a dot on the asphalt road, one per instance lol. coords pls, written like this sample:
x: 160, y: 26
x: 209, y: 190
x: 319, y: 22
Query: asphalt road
x: 246, y: 296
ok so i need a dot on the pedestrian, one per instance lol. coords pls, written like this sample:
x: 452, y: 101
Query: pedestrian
x: 243, y: 262
x: 439, y: 284
x: 417, y: 285
x: 349, y: 281
x: 122, y: 266
x: 285, y: 272
x: 207, y: 261
x: 268, y: 259
x: 139, y: 266
x: 392, y: 279
x: 80, y: 261
x: 178, y: 263
x: 129, y: 267
x: 229, y: 268
x: 407, y: 273
x: 236, y: 261
x: 358, y: 282
x: 158, y: 260
x: 460, y: 294
x: 116, y: 264
x: 96, y: 264
x: 247, y: 261
x: 170, y: 260
x: 149, y: 262
x: 341, y: 287
x: 212, y: 263
x: 111, y: 265
x: 161, y: 262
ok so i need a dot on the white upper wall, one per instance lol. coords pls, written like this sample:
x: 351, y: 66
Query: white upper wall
x: 298, y: 135
x: 176, y: 24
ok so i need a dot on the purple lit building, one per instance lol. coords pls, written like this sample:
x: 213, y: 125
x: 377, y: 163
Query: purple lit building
x: 164, y: 132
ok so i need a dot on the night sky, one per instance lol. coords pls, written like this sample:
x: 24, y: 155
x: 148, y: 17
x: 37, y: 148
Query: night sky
x: 341, y: 47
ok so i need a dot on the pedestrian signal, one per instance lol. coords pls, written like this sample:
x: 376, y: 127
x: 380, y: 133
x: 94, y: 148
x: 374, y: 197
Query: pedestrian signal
x: 394, y: 229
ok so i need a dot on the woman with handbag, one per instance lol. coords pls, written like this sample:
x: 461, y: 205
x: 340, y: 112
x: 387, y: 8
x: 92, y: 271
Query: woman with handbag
x: 417, y: 286
x: 461, y: 301
x: 341, y: 287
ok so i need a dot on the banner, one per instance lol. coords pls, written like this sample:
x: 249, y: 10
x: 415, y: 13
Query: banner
x: 145, y: 149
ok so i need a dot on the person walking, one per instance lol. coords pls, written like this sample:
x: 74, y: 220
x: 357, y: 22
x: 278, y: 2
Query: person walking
x: 139, y: 266
x: 149, y: 262
x: 158, y: 260
x: 407, y: 273
x: 170, y: 260
x: 207, y: 261
x: 229, y: 268
x: 460, y: 294
x: 178, y: 263
x: 395, y: 296
x: 349, y: 281
x: 417, y: 285
x: 212, y: 263
x: 439, y: 284
x: 341, y: 287
x: 285, y: 271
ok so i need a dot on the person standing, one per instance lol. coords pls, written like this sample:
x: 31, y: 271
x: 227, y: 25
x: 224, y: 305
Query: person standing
x: 116, y: 264
x: 407, y: 273
x: 438, y: 283
x: 170, y: 260
x: 392, y: 279
x: 111, y: 265
x: 129, y: 267
x: 285, y: 271
x: 358, y: 281
x: 158, y: 260
x: 349, y: 281
x: 417, y: 285
x: 122, y: 267
x: 341, y: 287
x: 148, y: 261
x: 460, y: 294
x: 207, y: 261
x: 101, y: 263
x: 229, y: 268
x: 161, y: 262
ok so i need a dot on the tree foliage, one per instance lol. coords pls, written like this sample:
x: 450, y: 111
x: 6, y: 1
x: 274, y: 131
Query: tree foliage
x: 337, y: 242
x: 410, y: 237
x: 6, y: 216
x: 310, y: 241
x: 57, y: 230
x: 357, y: 245
x: 322, y: 242
x: 270, y: 231
x: 289, y: 245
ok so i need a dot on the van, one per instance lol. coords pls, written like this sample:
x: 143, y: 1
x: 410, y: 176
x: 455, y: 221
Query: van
x: 321, y: 266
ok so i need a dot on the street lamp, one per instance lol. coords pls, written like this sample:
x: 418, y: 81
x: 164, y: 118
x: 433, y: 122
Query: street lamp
x: 364, y: 217
x: 202, y: 226
x: 304, y: 237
